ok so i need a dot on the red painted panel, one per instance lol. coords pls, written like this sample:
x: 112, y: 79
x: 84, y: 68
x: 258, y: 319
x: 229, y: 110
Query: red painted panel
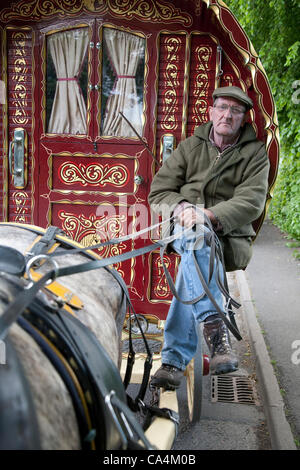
x: 91, y: 173
x: 90, y: 224
x: 20, y: 102
x: 159, y: 288
x: 202, y: 80
x: 170, y: 86
x: 68, y: 189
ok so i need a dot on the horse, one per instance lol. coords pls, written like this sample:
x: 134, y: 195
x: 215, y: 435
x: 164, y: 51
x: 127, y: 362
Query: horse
x: 101, y: 310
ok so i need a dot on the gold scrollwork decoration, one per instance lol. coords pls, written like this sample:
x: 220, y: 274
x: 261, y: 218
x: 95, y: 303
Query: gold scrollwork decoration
x: 203, y: 54
x: 145, y: 10
x: 19, y: 72
x: 171, y: 76
x: 20, y: 199
x: 228, y: 79
x: 92, y: 230
x: 93, y: 174
x: 161, y: 289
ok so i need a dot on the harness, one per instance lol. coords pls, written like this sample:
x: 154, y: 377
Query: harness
x: 92, y: 379
x: 96, y: 375
x: 60, y: 331
x: 18, y: 421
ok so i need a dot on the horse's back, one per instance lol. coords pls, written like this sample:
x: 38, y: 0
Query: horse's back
x: 99, y: 292
x: 102, y: 300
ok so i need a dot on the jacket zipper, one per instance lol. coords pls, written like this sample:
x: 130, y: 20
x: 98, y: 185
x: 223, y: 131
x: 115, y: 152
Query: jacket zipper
x: 217, y: 158
x: 220, y: 154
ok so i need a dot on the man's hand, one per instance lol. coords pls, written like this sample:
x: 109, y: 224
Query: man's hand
x: 188, y: 215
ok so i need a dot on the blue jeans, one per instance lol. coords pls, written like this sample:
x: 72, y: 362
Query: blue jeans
x: 180, y: 336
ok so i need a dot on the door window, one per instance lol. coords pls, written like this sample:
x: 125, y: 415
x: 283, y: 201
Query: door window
x: 122, y: 82
x: 67, y: 82
x: 123, y: 63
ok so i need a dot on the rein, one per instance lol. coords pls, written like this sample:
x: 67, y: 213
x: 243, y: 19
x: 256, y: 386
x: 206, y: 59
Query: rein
x: 27, y: 295
x: 49, y: 242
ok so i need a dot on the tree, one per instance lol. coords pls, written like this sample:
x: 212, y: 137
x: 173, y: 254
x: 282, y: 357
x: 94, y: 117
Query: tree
x: 273, y: 28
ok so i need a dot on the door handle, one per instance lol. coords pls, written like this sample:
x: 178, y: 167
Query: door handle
x: 138, y: 179
x: 18, y: 158
x: 168, y: 145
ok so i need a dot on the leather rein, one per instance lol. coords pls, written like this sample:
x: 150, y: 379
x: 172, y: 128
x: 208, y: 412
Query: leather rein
x: 26, y: 296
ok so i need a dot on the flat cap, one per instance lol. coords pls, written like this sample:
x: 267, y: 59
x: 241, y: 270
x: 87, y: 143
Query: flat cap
x: 233, y: 92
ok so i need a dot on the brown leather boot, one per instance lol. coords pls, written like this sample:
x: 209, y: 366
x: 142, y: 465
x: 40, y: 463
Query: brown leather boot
x: 223, y: 359
x: 167, y: 377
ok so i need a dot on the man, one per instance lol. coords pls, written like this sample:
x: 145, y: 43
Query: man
x: 224, y: 169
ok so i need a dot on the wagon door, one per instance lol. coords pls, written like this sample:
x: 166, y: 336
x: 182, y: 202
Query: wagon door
x: 71, y: 70
x: 92, y: 175
x: 16, y: 122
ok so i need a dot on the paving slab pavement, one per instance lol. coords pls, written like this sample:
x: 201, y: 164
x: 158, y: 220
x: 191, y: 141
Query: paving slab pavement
x: 228, y: 426
x: 281, y: 436
x: 273, y: 277
x: 261, y: 425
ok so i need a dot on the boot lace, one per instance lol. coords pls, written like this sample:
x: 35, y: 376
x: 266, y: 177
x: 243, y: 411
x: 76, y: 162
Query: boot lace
x: 220, y: 344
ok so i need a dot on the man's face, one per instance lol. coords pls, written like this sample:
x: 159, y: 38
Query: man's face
x: 228, y: 116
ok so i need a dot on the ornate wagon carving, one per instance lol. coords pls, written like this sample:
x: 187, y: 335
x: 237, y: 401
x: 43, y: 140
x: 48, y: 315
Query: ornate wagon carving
x: 181, y: 51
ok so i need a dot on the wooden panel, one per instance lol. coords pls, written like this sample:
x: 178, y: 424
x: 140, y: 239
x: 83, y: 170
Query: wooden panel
x: 91, y: 173
x: 159, y: 288
x: 3, y: 188
x: 170, y: 86
x: 202, y: 80
x: 19, y: 107
x: 90, y: 224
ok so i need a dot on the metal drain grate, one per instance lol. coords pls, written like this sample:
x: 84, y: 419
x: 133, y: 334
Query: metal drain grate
x: 233, y: 389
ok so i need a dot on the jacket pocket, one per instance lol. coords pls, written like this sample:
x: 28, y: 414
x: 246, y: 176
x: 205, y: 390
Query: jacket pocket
x: 237, y: 252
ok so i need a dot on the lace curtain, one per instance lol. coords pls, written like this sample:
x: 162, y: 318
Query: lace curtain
x: 124, y: 52
x: 68, y: 114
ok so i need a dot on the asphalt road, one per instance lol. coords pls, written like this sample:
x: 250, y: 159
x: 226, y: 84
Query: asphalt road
x: 274, y: 279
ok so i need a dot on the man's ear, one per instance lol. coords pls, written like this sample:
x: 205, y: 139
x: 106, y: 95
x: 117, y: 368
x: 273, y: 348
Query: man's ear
x: 245, y: 118
x: 210, y: 110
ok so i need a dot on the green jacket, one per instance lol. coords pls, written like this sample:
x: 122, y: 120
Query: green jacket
x: 233, y: 186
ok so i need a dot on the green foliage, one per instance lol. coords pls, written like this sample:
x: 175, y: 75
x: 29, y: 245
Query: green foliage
x: 273, y: 28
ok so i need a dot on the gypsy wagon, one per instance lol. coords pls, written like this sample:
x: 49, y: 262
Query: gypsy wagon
x: 97, y: 95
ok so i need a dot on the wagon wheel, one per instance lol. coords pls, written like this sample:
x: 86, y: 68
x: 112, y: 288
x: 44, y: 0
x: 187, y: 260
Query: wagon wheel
x: 194, y: 375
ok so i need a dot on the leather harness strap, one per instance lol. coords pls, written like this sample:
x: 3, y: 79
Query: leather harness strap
x: 215, y: 252
x: 68, y: 376
x: 62, y: 293
x: 48, y: 241
x: 45, y: 242
x: 11, y: 313
x: 18, y: 420
x: 57, y: 289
